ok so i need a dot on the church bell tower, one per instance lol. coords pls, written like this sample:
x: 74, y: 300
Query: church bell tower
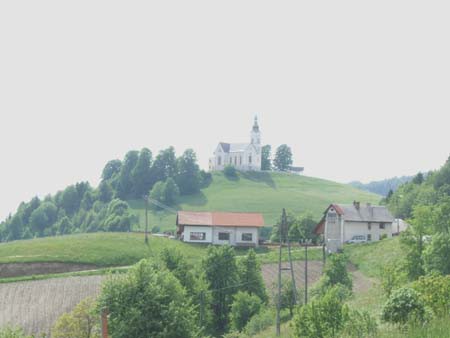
x: 256, y: 134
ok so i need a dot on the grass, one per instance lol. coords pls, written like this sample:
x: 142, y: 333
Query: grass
x: 99, y: 249
x: 370, y: 258
x: 263, y: 192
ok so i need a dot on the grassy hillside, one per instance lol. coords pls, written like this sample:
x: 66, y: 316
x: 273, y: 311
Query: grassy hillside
x: 260, y: 192
x: 370, y: 258
x: 101, y: 249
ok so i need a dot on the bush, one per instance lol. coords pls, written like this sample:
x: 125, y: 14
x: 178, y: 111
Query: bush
x: 260, y: 322
x: 80, y: 323
x: 323, y: 317
x: 336, y: 271
x: 156, y: 229
x: 12, y: 333
x: 230, y: 171
x: 403, y: 304
x: 360, y: 325
x: 243, y: 308
x: 434, y: 291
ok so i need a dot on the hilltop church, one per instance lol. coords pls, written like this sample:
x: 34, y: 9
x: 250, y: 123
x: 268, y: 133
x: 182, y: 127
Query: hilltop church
x: 243, y: 156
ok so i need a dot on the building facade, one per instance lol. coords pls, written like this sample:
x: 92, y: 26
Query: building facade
x: 235, y: 229
x: 342, y: 223
x: 242, y: 156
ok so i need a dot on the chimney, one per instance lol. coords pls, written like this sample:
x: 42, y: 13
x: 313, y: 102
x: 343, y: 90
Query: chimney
x: 369, y: 206
x: 356, y: 204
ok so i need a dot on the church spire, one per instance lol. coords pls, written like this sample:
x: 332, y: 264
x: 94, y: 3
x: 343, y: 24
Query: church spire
x: 255, y: 125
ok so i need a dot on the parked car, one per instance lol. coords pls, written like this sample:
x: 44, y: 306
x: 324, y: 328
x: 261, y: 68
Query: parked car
x: 357, y: 239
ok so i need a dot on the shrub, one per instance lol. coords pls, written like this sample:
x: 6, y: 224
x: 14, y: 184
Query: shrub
x: 243, y: 308
x: 230, y: 171
x: 260, y: 321
x: 12, y: 333
x: 434, y: 291
x: 392, y: 278
x: 80, y: 323
x: 323, y: 317
x: 156, y: 229
x: 402, y: 305
x: 360, y: 325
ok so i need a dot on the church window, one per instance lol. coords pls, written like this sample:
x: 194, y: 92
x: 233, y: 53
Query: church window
x: 250, y: 159
x: 219, y: 160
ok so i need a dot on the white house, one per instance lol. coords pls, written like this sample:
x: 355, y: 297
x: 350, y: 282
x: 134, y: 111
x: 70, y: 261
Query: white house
x: 233, y: 228
x: 342, y: 222
x: 243, y: 156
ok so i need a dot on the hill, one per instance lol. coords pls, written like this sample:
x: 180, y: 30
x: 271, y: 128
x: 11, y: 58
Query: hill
x: 384, y: 186
x: 261, y: 192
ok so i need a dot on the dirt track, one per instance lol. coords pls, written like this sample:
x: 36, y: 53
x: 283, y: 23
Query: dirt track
x: 28, y: 269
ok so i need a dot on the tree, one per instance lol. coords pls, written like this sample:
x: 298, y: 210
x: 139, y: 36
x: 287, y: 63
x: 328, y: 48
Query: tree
x: 118, y: 217
x: 81, y: 322
x: 158, y: 193
x: 402, y: 305
x: 335, y: 271
x: 418, y: 179
x: 148, y: 302
x: 436, y: 255
x: 141, y: 173
x: 43, y: 217
x: 7, y: 332
x: 266, y: 161
x: 287, y: 296
x: 165, y: 165
x: 250, y: 276
x: 244, y: 307
x: 322, y: 317
x: 70, y: 201
x: 88, y: 200
x: 283, y: 158
x: 64, y: 226
x: 105, y: 192
x: 412, y: 238
x: 230, y: 171
x: 125, y: 187
x: 221, y: 273
x: 171, y: 192
x: 188, y: 173
x: 111, y: 169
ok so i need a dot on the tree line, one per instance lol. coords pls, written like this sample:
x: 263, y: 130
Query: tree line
x: 83, y: 208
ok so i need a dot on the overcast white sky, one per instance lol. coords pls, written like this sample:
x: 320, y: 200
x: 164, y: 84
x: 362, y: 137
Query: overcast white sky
x: 358, y: 89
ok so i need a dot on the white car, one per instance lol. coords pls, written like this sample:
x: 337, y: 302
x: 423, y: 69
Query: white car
x: 357, y: 239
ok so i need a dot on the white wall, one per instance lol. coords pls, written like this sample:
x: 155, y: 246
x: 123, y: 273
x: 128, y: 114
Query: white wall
x: 188, y: 229
x: 212, y: 235
x: 361, y: 228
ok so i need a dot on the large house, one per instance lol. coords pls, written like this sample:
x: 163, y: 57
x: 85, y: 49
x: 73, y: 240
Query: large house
x: 354, y: 222
x: 243, y: 156
x: 233, y: 228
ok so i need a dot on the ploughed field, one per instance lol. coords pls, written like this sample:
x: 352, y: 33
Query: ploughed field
x: 35, y: 305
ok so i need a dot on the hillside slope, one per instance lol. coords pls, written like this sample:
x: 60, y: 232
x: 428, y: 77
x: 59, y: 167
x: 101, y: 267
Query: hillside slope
x: 261, y: 192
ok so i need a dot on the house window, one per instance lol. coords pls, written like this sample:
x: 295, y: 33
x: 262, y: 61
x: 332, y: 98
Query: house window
x: 240, y: 160
x: 369, y: 226
x: 219, y: 160
x: 250, y: 159
x: 369, y: 237
x: 231, y: 160
x: 382, y: 226
x: 235, y: 160
x: 247, y: 237
x: 197, y: 236
x: 331, y: 217
x: 224, y: 236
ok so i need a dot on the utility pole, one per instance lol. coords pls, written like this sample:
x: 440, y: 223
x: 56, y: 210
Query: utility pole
x: 284, y: 235
x: 146, y: 218
x: 104, y: 323
x: 306, y: 243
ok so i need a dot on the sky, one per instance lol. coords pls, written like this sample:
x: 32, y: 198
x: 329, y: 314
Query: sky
x: 359, y: 90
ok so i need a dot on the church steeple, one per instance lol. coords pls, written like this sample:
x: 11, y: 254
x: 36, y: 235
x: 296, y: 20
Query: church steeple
x: 256, y: 134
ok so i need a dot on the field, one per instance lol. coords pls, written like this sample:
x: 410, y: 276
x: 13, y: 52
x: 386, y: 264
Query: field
x: 263, y: 192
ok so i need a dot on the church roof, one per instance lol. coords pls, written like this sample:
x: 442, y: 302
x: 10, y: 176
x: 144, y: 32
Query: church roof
x: 234, y: 147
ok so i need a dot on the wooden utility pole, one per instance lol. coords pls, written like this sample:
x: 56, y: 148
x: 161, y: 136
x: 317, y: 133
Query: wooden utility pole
x: 284, y: 235
x: 306, y: 273
x: 104, y: 323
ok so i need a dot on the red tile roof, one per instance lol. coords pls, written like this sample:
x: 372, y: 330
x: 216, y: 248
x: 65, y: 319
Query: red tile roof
x: 232, y: 219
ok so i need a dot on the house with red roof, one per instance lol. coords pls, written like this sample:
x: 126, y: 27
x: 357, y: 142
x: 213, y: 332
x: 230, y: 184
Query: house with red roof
x: 232, y: 228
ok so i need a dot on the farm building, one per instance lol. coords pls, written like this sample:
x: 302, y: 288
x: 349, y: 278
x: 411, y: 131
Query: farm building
x: 355, y: 222
x: 233, y: 228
